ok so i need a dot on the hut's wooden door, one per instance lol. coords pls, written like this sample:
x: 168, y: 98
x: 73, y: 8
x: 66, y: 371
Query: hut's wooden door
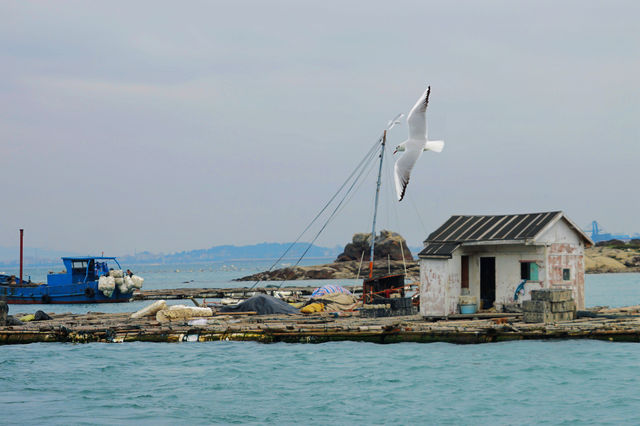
x: 487, y: 281
x: 464, y: 273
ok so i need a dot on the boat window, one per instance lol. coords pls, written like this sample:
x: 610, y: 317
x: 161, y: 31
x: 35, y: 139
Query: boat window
x: 79, y: 266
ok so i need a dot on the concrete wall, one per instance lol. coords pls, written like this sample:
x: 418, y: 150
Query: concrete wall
x: 564, y: 250
x: 556, y: 249
x: 508, y: 261
x: 434, y: 283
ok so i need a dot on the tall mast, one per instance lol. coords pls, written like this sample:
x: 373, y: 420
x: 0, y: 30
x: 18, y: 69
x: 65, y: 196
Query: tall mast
x: 375, y: 209
x: 21, y: 250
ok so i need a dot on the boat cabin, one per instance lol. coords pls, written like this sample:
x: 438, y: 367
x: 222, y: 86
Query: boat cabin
x: 83, y: 269
x: 497, y: 260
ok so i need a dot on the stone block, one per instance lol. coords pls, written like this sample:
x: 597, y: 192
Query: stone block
x: 536, y: 306
x: 551, y: 295
x: 565, y: 316
x: 568, y: 306
x: 546, y: 306
x: 547, y: 317
x: 531, y: 317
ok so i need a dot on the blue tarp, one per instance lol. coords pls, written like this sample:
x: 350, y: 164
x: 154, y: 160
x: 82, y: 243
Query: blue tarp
x: 328, y: 289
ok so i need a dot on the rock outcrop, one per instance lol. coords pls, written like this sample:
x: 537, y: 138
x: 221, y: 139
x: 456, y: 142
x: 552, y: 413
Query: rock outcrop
x: 388, y: 245
x: 336, y: 270
x: 620, y: 258
x: 390, y: 250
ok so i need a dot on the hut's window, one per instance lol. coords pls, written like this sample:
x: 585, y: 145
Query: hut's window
x: 566, y: 274
x: 529, y: 271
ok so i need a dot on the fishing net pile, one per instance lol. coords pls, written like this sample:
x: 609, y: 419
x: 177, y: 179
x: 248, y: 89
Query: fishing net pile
x: 117, y: 279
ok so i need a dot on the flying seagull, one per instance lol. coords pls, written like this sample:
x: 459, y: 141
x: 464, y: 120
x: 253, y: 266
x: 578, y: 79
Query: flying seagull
x: 413, y: 147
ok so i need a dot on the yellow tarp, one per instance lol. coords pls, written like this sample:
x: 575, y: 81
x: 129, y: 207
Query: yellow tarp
x: 312, y: 307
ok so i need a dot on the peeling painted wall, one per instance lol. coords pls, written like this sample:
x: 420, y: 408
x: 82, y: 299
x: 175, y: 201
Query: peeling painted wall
x: 434, y: 275
x: 565, y: 251
x: 508, y: 263
x: 556, y: 249
x: 508, y: 260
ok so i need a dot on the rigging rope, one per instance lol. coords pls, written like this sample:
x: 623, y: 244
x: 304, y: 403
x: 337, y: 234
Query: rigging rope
x: 366, y: 159
x: 393, y: 218
x: 424, y: 228
x: 332, y: 215
x: 362, y: 181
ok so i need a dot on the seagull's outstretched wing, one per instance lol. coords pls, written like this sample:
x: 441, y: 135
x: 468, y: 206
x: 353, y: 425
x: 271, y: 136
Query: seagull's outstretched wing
x: 417, y: 118
x: 402, y: 169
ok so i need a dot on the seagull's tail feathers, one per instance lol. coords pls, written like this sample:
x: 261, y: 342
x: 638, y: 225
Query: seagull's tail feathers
x: 435, y: 146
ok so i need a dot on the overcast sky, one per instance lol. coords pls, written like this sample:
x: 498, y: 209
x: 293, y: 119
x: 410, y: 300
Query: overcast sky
x: 169, y: 126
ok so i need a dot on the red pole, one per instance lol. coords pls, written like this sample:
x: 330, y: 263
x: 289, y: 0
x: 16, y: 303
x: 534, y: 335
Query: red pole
x: 21, y: 246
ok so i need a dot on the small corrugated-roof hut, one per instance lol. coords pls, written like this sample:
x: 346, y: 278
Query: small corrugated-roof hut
x: 490, y: 257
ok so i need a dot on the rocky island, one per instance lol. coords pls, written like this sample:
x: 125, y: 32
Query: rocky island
x: 392, y: 256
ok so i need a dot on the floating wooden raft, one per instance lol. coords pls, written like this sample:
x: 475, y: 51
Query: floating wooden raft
x: 118, y: 327
x: 219, y: 293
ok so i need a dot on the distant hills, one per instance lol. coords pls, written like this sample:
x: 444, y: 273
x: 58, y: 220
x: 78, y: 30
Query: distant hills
x: 262, y: 251
x: 230, y: 252
x: 9, y: 256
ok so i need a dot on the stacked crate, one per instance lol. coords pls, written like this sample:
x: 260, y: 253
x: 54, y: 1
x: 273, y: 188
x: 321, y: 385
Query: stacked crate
x: 549, y: 305
x: 389, y: 307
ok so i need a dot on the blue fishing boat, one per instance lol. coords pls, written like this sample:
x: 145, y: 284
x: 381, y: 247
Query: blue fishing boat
x: 87, y: 279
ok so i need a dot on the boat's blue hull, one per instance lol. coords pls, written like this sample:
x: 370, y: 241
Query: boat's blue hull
x: 66, y: 293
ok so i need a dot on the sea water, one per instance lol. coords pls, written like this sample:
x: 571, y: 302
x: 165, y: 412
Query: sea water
x: 527, y: 382
x: 541, y: 382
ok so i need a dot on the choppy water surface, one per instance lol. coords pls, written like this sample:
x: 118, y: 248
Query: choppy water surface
x: 548, y: 382
x: 564, y: 382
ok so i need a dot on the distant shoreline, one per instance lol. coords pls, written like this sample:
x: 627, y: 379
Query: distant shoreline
x: 612, y: 259
x: 58, y: 263
x: 598, y: 260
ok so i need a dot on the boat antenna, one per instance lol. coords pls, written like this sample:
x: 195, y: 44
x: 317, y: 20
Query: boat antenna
x: 392, y: 123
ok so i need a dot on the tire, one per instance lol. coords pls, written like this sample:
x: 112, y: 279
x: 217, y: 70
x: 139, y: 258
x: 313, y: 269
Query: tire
x: 90, y: 292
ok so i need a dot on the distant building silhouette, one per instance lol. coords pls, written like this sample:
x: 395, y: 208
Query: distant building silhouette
x: 598, y: 235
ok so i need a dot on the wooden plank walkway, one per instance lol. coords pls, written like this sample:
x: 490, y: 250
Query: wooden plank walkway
x: 218, y: 293
x: 317, y: 328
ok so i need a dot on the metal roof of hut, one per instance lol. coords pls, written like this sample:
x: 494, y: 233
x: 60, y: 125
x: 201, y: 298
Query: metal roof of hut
x: 492, y: 229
